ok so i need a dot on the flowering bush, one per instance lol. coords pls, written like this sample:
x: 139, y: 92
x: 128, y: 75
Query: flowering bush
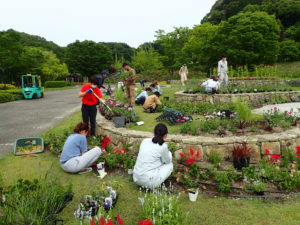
x: 190, y: 158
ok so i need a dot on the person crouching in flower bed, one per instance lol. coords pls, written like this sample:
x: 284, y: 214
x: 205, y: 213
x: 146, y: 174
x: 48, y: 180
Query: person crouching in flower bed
x: 154, y: 162
x: 152, y: 102
x: 212, y: 85
x: 75, y: 157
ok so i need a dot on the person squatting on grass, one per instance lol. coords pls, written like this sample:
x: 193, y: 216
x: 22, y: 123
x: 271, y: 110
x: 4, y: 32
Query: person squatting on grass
x: 154, y: 162
x: 152, y: 102
x: 140, y: 99
x: 75, y: 157
x: 89, y: 102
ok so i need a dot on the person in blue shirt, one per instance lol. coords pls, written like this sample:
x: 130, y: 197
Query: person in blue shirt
x: 101, y: 79
x: 140, y: 99
x: 75, y: 156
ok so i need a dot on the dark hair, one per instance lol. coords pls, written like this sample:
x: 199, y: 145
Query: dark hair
x: 94, y: 80
x: 160, y: 131
x: 148, y: 89
x: 80, y: 127
x: 157, y: 93
x: 124, y: 64
x: 223, y: 56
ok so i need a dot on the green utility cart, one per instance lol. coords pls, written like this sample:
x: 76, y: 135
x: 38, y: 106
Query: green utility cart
x: 32, y: 87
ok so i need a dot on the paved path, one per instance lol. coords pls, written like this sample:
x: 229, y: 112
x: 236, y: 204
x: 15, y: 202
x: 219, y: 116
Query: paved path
x: 282, y: 107
x: 29, y: 118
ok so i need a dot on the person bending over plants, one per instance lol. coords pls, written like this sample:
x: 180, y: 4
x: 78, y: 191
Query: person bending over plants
x: 140, y: 99
x: 75, y: 157
x: 152, y: 102
x: 154, y: 162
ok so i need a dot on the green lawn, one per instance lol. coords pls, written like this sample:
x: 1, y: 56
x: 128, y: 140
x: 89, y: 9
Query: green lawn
x: 213, y: 211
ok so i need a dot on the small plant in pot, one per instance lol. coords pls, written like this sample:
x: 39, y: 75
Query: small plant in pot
x: 258, y: 187
x: 193, y: 194
x: 241, y: 155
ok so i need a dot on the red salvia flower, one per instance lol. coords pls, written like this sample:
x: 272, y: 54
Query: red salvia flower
x: 109, y: 222
x: 198, y: 154
x: 192, y: 151
x: 101, y: 221
x: 92, y: 222
x: 189, y: 161
x: 123, y: 150
x: 120, y: 221
x: 267, y: 152
x: 298, y: 156
x: 181, y: 155
x: 298, y: 149
x: 145, y: 222
x: 275, y: 156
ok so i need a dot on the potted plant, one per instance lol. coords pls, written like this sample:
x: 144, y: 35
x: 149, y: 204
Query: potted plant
x: 241, y: 155
x: 258, y: 187
x: 193, y: 194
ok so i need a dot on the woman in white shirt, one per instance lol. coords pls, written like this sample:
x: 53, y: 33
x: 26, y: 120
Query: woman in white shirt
x: 154, y: 162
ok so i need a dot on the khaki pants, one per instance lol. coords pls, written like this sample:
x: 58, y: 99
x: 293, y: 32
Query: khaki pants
x: 130, y: 91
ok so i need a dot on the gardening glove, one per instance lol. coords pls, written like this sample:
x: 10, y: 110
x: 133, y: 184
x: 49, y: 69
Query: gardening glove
x: 89, y: 91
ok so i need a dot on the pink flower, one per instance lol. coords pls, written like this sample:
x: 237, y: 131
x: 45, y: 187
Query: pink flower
x: 275, y: 108
x: 231, y: 115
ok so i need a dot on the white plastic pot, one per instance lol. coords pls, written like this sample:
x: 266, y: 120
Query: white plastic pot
x: 193, y: 196
x: 130, y: 171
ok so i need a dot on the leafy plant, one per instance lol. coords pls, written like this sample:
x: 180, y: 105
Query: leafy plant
x: 244, y: 113
x: 258, y: 186
x: 241, y: 150
x: 215, y: 158
x: 223, y: 182
x: 172, y: 147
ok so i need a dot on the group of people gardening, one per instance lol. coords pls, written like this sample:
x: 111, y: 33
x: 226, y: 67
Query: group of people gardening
x: 154, y: 162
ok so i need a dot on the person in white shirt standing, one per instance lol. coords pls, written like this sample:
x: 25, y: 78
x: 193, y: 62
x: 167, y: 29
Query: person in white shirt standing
x: 223, y: 71
x: 154, y: 162
x: 211, y: 85
x: 183, y: 72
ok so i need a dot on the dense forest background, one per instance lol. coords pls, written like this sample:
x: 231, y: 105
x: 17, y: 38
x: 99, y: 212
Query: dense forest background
x: 249, y: 32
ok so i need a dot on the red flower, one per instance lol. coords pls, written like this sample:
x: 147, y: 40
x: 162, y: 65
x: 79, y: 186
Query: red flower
x: 145, y: 222
x: 267, y: 152
x: 192, y: 151
x: 298, y: 156
x: 92, y: 222
x: 275, y: 156
x: 109, y: 222
x: 101, y: 221
x: 198, y: 154
x: 181, y: 155
x: 120, y: 221
x: 106, y: 140
x: 104, y: 145
x: 298, y: 149
x: 123, y: 150
x: 189, y: 161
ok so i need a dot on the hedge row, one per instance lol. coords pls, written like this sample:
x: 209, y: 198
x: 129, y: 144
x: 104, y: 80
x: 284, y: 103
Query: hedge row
x: 55, y: 84
x: 6, y: 97
x: 6, y: 86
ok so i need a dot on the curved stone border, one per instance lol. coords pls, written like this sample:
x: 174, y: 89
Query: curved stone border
x: 253, y: 98
x: 275, y: 142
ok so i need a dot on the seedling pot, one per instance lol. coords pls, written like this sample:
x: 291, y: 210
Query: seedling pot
x: 193, y: 195
x: 119, y: 121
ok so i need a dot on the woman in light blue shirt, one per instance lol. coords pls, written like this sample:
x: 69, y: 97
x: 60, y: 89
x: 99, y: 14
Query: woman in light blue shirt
x: 75, y: 157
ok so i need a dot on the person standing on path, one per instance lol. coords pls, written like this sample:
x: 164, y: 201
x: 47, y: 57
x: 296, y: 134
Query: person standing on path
x: 101, y: 79
x: 223, y: 71
x: 130, y: 83
x: 89, y: 103
x: 183, y: 72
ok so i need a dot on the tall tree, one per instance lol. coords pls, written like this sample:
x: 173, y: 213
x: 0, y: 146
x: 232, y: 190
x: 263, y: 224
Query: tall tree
x: 249, y: 38
x: 147, y: 59
x: 88, y: 57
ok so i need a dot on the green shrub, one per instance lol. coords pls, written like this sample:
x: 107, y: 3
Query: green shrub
x: 34, y: 202
x: 55, y: 84
x: 214, y: 158
x: 6, y: 97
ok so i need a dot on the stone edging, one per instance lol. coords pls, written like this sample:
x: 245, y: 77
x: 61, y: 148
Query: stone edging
x: 253, y: 98
x: 275, y: 142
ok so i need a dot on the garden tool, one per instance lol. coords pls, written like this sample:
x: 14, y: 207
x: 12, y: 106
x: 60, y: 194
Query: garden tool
x: 101, y: 101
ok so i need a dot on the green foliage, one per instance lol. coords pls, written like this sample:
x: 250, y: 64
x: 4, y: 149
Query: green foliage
x: 55, y: 141
x: 258, y: 43
x: 223, y: 182
x: 172, y: 147
x: 289, y: 51
x: 258, y: 186
x: 88, y: 57
x: 6, y: 97
x: 120, y: 51
x: 215, y: 158
x: 146, y: 60
x: 243, y: 111
x: 293, y: 32
x: 55, y: 84
x: 34, y: 202
x: 189, y: 128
